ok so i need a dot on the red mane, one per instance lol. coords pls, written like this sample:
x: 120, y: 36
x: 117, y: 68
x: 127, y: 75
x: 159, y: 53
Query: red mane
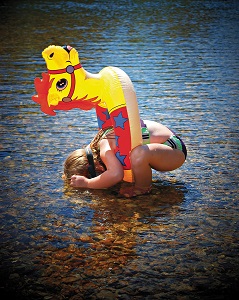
x: 42, y: 87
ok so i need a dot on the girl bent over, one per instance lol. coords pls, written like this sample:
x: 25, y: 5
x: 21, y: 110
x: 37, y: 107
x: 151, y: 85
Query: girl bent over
x: 97, y: 167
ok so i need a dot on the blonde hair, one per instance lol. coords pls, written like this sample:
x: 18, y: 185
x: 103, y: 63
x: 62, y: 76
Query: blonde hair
x: 77, y: 162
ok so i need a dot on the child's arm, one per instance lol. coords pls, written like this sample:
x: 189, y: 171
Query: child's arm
x: 110, y: 177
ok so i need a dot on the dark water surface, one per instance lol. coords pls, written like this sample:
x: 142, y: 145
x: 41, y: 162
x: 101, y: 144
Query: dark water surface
x: 181, y: 242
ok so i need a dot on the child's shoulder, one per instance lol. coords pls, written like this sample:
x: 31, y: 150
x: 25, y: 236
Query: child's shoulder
x: 107, y: 144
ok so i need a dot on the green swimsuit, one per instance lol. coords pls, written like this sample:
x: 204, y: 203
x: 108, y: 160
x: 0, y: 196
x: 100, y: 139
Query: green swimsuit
x: 173, y: 142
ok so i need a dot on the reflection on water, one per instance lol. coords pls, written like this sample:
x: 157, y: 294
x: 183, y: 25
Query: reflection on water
x: 179, y: 242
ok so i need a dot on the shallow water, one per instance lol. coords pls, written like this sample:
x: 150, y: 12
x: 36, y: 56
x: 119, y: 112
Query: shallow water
x: 181, y: 242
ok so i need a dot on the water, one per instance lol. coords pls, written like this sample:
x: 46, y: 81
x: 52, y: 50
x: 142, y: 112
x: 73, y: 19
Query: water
x: 181, y: 242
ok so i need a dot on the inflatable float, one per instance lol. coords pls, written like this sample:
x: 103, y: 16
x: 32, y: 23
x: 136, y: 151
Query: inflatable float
x: 67, y: 85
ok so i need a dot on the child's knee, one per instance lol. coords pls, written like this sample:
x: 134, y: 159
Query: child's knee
x: 138, y: 156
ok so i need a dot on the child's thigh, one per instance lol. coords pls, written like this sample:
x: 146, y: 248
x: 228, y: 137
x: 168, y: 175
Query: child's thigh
x: 164, y: 158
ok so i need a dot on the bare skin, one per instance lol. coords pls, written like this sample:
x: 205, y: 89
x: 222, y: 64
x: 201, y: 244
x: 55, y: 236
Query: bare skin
x: 143, y: 159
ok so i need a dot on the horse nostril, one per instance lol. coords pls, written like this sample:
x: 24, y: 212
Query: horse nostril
x: 51, y: 55
x: 66, y: 99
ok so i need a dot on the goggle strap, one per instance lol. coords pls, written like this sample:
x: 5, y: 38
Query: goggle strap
x: 91, y: 167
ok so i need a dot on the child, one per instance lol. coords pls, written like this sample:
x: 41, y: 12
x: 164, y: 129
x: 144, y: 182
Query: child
x: 96, y: 166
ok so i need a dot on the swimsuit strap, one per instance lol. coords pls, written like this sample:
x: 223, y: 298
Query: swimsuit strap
x: 145, y: 133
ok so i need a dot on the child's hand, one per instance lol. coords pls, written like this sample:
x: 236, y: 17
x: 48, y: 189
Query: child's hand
x: 79, y: 181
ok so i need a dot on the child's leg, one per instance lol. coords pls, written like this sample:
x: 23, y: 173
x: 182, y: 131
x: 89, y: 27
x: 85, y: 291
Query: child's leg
x: 152, y: 156
x: 158, y: 156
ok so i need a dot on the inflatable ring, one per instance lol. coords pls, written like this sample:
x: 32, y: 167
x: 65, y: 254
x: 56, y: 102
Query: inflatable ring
x: 68, y: 85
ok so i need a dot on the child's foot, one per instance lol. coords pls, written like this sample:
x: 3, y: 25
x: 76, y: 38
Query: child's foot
x: 135, y: 191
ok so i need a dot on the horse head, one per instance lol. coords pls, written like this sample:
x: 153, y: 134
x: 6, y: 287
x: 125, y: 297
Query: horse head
x: 65, y: 86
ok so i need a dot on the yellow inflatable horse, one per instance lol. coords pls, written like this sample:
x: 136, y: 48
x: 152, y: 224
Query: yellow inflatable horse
x: 68, y: 85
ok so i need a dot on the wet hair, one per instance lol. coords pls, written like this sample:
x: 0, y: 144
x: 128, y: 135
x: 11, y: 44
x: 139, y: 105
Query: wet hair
x: 77, y: 162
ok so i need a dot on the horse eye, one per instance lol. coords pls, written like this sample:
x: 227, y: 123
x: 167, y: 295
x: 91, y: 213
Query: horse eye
x: 61, y: 84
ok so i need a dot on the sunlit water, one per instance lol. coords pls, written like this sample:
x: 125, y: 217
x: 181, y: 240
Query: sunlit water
x: 181, y: 242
